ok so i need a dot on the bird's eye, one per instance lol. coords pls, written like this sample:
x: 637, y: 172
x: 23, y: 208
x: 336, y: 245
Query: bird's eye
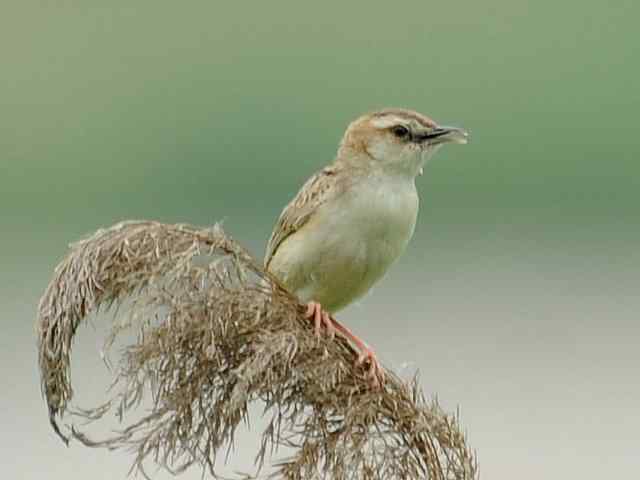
x: 400, y: 131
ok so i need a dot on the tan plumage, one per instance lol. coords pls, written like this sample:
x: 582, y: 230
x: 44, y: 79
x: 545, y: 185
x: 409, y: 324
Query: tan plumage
x: 324, y: 185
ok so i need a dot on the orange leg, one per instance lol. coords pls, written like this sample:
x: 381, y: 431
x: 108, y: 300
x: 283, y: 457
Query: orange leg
x: 322, y: 318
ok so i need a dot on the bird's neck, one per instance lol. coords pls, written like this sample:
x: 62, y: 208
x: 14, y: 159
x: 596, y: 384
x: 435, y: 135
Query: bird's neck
x: 362, y: 163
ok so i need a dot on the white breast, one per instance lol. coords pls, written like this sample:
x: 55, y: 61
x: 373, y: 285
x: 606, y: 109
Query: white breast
x: 351, y: 242
x: 380, y: 212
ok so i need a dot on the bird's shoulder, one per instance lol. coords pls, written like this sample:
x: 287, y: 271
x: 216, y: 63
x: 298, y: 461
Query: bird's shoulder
x: 323, y: 186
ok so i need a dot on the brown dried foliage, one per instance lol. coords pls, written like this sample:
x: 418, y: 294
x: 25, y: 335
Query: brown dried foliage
x: 215, y: 332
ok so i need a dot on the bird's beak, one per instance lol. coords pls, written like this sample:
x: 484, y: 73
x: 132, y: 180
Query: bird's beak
x: 443, y: 134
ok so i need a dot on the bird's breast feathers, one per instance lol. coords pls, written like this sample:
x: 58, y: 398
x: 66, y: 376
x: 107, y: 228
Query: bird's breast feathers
x: 349, y: 243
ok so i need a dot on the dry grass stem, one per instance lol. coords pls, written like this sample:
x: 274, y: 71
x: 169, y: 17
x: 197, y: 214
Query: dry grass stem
x: 215, y: 333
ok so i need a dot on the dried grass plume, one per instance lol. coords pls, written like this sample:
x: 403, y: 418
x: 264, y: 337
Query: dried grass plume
x: 215, y: 332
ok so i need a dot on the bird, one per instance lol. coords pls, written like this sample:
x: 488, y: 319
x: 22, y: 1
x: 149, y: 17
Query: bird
x: 352, y: 219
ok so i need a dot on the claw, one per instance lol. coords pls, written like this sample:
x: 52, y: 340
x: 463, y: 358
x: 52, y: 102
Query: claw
x: 320, y: 318
x: 331, y: 331
x: 311, y: 307
x: 375, y: 373
x: 367, y: 358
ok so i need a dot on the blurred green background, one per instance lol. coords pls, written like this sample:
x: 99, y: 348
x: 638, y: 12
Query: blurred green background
x: 519, y: 293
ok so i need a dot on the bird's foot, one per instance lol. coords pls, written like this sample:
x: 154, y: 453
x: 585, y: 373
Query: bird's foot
x: 320, y: 318
x: 367, y: 357
x: 375, y: 372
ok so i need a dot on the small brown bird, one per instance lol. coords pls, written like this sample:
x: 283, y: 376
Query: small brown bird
x: 351, y: 220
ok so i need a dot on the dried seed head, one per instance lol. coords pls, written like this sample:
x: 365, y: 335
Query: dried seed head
x: 215, y: 333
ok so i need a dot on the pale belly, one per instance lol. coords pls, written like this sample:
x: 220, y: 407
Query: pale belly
x: 349, y: 244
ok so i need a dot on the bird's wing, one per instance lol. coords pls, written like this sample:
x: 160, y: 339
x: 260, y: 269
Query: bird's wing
x: 328, y: 183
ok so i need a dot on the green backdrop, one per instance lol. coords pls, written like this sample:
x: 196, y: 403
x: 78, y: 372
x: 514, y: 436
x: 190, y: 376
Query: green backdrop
x: 519, y: 290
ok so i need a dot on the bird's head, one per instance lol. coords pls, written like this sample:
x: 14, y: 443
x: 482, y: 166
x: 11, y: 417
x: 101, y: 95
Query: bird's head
x: 396, y: 139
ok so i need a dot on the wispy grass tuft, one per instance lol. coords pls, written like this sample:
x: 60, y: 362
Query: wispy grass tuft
x: 215, y: 332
